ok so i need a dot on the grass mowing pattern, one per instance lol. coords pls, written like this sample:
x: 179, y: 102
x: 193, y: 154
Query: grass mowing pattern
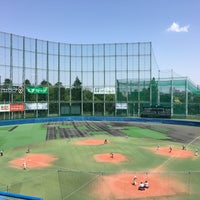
x: 143, y: 133
x: 97, y: 133
x: 22, y: 135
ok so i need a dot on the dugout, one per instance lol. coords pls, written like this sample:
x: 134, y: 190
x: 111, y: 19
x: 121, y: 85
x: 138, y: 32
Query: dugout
x: 156, y: 112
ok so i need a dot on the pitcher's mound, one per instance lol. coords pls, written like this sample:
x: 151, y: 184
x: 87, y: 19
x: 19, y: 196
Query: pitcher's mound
x: 110, y: 157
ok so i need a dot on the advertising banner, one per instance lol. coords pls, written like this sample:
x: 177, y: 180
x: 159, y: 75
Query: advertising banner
x: 121, y: 106
x: 36, y: 106
x: 104, y: 90
x: 4, y: 107
x: 16, y: 107
x: 37, y: 90
x: 11, y: 89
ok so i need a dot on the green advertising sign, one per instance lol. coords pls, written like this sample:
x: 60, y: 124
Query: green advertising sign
x: 37, y: 90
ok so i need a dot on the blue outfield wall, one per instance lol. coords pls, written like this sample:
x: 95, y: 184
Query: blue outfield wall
x: 18, y: 196
x: 98, y: 118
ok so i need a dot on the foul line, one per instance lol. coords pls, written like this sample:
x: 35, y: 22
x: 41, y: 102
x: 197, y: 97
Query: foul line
x: 82, y: 186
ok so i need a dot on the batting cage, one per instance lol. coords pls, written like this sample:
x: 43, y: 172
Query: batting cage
x: 167, y: 97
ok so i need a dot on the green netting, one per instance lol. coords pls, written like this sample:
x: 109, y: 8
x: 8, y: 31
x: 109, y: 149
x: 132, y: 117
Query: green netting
x: 178, y: 93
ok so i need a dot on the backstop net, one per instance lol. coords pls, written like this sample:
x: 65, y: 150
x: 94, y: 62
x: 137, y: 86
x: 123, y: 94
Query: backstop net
x: 41, y: 78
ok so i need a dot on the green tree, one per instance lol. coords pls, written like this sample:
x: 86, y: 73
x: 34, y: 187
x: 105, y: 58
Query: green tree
x: 154, y: 88
x: 44, y: 97
x: 60, y: 87
x: 45, y: 83
x: 76, y: 90
x: 87, y: 98
x: 110, y: 103
x: 76, y: 97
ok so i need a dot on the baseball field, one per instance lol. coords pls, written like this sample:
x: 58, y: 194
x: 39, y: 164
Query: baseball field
x: 98, y: 160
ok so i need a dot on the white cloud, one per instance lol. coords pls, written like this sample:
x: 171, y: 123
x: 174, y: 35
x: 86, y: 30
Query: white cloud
x: 177, y: 28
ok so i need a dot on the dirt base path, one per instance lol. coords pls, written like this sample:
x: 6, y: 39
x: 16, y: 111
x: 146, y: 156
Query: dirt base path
x: 30, y: 161
x: 176, y: 153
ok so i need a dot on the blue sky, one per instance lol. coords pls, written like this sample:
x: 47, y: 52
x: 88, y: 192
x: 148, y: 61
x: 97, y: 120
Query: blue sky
x: 173, y: 26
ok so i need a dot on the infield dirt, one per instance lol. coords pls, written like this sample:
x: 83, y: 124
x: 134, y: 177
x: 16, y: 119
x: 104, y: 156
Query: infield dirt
x: 119, y: 186
x: 33, y: 161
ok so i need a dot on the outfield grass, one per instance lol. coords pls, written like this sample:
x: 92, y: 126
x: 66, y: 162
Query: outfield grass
x: 77, y: 163
x: 22, y: 135
x: 144, y: 133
